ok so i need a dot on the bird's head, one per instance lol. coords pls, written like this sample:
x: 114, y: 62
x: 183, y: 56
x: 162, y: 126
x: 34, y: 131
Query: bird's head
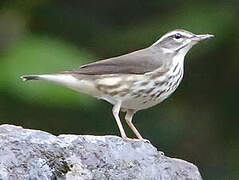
x: 179, y: 40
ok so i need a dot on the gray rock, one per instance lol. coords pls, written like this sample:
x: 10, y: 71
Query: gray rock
x: 36, y: 155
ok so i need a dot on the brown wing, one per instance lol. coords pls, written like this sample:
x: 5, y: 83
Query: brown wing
x: 138, y: 62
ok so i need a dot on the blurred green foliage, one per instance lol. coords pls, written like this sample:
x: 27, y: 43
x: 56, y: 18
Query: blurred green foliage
x: 199, y: 123
x: 37, y: 55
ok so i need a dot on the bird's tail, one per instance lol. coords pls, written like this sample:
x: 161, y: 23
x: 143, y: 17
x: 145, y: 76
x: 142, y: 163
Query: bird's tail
x: 45, y: 77
x: 30, y: 77
x: 63, y: 79
x: 73, y: 82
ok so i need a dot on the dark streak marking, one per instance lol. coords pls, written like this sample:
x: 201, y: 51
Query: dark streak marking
x: 178, y: 79
x: 159, y: 83
x: 175, y: 68
x: 144, y: 83
x: 152, y: 95
x: 140, y: 91
x: 160, y: 93
x: 150, y: 90
x: 138, y: 95
x: 101, y: 86
x: 178, y: 72
x: 157, y: 74
x: 113, y: 93
x: 123, y: 94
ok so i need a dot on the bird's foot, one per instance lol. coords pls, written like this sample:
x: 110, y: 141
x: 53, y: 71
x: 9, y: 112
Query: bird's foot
x: 138, y: 140
x: 145, y: 140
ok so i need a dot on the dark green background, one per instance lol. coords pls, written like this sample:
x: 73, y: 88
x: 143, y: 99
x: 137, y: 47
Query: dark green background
x: 198, y: 123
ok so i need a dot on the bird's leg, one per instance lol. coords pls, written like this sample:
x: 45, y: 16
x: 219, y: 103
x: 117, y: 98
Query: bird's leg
x: 116, y: 110
x: 128, y: 117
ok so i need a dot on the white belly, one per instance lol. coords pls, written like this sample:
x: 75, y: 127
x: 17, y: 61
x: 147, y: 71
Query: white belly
x: 146, y: 92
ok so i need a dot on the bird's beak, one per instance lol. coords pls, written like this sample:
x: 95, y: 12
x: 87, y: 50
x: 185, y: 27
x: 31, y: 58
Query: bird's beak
x: 202, y: 37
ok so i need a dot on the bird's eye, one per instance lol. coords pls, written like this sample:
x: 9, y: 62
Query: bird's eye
x: 177, y: 36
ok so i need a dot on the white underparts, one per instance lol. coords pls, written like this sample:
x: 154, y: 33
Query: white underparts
x: 71, y: 82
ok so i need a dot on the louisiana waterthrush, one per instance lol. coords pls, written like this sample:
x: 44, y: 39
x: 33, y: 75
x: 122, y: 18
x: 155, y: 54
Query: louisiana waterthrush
x: 133, y: 81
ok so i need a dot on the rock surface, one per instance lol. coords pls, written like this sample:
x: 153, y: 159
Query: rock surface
x: 36, y: 155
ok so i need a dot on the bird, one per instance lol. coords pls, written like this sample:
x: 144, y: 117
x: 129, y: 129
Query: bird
x: 134, y: 81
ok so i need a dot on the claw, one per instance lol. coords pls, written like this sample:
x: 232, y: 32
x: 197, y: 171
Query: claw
x: 145, y: 140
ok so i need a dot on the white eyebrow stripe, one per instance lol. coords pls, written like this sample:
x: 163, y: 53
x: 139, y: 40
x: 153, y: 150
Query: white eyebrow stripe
x: 183, y: 33
x: 166, y: 36
x: 175, y: 32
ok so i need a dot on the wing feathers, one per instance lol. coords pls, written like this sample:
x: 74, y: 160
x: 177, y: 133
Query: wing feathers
x: 138, y: 62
